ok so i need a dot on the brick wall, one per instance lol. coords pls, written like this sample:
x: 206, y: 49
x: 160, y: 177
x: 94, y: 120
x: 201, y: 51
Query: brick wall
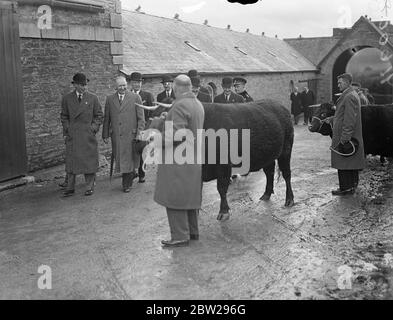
x: 259, y: 86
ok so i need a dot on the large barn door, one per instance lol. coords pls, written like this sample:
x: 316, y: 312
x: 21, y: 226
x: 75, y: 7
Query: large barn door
x: 13, y: 162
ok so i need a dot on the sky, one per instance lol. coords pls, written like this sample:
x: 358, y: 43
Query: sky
x: 284, y: 18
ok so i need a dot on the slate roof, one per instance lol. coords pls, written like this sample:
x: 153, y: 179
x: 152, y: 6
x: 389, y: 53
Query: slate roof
x: 315, y: 48
x: 156, y: 45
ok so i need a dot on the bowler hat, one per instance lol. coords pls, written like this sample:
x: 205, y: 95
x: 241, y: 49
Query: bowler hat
x: 166, y: 79
x: 239, y: 80
x: 196, y: 82
x: 135, y: 76
x: 227, y: 82
x: 80, y: 78
x: 346, y: 76
x: 192, y: 73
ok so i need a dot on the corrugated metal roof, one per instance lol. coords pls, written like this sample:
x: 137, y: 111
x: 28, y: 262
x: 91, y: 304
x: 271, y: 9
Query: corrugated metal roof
x: 156, y: 45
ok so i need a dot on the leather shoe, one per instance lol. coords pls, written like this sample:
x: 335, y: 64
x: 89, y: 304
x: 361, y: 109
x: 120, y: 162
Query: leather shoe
x: 89, y: 192
x: 174, y: 243
x: 339, y: 192
x: 194, y: 236
x: 63, y: 185
x: 126, y: 190
x: 141, y: 180
x: 68, y: 193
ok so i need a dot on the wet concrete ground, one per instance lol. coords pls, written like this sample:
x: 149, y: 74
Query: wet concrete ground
x: 107, y: 246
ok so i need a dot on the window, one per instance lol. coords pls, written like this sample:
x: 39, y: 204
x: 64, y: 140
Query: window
x: 240, y: 50
x: 192, y: 46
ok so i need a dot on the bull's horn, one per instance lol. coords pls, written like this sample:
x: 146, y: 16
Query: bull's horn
x: 163, y: 105
x: 146, y: 107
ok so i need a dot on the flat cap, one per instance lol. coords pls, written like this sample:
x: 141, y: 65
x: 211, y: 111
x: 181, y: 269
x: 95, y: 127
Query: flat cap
x: 239, y: 80
x: 346, y: 76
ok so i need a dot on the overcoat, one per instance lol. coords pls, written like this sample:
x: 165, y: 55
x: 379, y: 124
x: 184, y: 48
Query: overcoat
x: 123, y: 123
x: 347, y: 124
x: 179, y: 186
x: 81, y: 121
x: 233, y: 98
x: 296, y: 104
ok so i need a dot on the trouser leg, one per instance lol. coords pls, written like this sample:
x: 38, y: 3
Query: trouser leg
x: 141, y: 173
x: 90, y: 178
x: 193, y: 221
x: 71, y: 181
x: 356, y: 178
x: 348, y: 179
x: 178, y: 224
x: 127, y: 179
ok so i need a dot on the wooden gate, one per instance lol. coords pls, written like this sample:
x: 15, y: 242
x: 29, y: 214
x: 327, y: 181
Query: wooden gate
x: 13, y: 160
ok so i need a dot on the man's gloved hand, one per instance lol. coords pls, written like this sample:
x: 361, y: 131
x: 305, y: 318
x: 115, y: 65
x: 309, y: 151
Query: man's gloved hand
x: 345, y: 147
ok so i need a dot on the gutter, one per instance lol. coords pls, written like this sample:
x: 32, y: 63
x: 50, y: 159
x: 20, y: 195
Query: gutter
x: 74, y: 5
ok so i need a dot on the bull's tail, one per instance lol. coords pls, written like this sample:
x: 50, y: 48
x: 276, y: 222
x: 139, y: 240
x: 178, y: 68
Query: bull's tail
x: 278, y: 174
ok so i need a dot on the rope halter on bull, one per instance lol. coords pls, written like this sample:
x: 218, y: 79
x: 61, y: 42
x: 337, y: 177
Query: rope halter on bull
x: 321, y: 123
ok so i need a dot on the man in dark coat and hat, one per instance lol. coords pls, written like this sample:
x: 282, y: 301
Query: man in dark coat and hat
x: 147, y: 100
x: 240, y: 88
x: 81, y: 117
x: 296, y: 104
x: 228, y: 96
x: 194, y: 74
x: 167, y: 96
x: 307, y: 97
x: 196, y: 86
x: 347, y: 130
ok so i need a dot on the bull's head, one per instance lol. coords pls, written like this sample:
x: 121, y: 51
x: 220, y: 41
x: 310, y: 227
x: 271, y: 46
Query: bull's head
x: 321, y: 119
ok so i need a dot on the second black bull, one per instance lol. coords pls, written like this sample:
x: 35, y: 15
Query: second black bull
x: 271, y: 139
x: 377, y: 127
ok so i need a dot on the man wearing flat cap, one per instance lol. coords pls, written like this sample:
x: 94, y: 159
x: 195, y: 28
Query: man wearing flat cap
x: 347, y: 129
x: 228, y: 96
x: 194, y: 74
x: 81, y: 117
x: 196, y: 89
x: 363, y: 99
x: 240, y: 88
x: 147, y: 100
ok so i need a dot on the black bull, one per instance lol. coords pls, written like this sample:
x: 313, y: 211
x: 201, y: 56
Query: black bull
x: 271, y: 138
x: 377, y: 127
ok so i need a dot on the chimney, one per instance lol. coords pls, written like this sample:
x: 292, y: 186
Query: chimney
x: 138, y: 9
x: 300, y: 36
x: 247, y: 30
x: 176, y: 17
x: 229, y: 27
x: 275, y: 36
x: 263, y: 33
x: 206, y: 23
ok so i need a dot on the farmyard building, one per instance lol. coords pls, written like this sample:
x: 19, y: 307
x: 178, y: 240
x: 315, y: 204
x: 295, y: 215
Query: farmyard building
x: 46, y: 42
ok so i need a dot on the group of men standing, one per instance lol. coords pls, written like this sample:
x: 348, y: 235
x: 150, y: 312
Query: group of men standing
x: 300, y: 103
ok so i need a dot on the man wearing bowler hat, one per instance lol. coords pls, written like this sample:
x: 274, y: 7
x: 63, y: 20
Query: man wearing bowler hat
x: 147, y: 100
x: 194, y: 74
x: 240, y: 88
x: 196, y: 90
x: 166, y: 96
x: 347, y: 130
x: 228, y: 96
x: 81, y: 117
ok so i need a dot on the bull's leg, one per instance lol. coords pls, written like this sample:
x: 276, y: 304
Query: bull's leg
x: 285, y: 167
x: 269, y: 173
x: 223, y: 180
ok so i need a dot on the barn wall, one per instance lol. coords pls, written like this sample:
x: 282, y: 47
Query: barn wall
x: 79, y: 41
x: 273, y: 86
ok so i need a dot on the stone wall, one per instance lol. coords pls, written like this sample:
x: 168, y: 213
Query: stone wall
x: 79, y: 41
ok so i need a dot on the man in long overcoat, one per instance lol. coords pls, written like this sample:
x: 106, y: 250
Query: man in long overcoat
x: 296, y: 104
x: 147, y: 100
x: 240, y: 88
x: 347, y: 124
x: 81, y: 117
x: 179, y: 186
x: 307, y: 97
x: 228, y: 96
x: 123, y: 122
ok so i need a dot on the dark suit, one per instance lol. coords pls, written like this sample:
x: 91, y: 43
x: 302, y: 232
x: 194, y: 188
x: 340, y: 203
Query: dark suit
x: 296, y: 106
x: 203, y: 97
x: 233, y: 98
x: 307, y: 100
x: 162, y: 97
x: 147, y: 100
x: 246, y: 96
